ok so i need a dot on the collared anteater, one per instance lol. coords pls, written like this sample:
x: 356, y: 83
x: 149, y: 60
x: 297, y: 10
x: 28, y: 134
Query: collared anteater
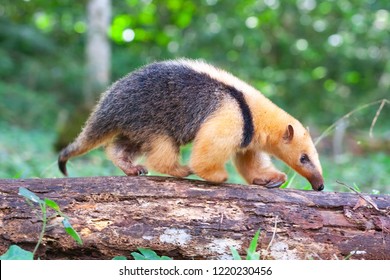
x: 159, y: 107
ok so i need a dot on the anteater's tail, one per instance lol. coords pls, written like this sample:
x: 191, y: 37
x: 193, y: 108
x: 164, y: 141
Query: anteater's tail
x: 94, y: 134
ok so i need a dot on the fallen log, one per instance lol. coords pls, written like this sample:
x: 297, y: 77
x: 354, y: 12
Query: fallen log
x: 189, y: 219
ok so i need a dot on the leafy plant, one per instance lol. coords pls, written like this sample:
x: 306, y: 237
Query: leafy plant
x: 146, y: 254
x: 251, y: 251
x: 17, y: 253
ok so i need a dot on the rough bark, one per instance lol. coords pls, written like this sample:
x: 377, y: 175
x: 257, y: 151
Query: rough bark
x: 188, y: 219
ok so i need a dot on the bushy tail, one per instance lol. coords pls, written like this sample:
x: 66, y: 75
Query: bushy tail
x: 93, y: 135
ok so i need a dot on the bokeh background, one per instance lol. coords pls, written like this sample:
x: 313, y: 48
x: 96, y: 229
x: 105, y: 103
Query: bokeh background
x: 318, y: 60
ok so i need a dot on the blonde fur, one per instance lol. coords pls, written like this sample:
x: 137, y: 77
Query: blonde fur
x: 256, y: 165
x: 163, y: 156
x: 218, y: 138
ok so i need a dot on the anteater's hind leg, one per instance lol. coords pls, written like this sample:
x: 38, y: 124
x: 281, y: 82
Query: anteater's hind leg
x: 122, y: 152
x: 162, y: 155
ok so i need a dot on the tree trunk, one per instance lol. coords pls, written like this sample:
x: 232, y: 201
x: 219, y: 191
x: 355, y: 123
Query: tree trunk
x: 188, y: 219
x: 98, y: 70
x: 98, y: 50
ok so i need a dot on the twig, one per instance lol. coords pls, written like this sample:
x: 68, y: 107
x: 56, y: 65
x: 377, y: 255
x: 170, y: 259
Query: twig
x: 220, y: 221
x: 44, y: 223
x: 346, y: 116
x: 348, y: 187
x: 316, y: 255
x: 384, y: 101
x: 273, y: 235
x: 367, y: 199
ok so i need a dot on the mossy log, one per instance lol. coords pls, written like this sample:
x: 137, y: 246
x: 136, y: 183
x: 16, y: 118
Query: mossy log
x: 189, y: 219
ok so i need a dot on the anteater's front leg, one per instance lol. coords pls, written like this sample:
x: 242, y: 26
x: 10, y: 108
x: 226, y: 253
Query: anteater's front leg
x: 256, y: 168
x: 216, y: 141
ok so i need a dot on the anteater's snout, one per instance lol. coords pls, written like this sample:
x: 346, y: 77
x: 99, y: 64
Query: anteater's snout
x: 317, y: 182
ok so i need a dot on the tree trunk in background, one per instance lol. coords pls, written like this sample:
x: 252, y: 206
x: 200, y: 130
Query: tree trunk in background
x: 98, y: 50
x: 189, y: 219
x: 98, y: 69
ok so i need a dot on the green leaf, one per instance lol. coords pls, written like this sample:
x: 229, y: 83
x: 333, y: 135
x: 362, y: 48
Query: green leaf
x: 148, y: 254
x: 236, y: 255
x: 356, y: 187
x: 119, y: 258
x: 253, y: 244
x: 70, y: 230
x: 252, y: 255
x: 251, y: 252
x: 52, y: 204
x: 138, y: 256
x: 16, y: 253
x: 29, y: 195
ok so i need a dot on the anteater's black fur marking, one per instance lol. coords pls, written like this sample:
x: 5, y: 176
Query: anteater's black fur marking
x: 248, y: 131
x: 166, y: 98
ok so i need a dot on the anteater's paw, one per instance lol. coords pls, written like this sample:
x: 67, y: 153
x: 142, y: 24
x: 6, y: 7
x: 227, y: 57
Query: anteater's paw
x: 213, y: 176
x: 271, y: 180
x: 181, y: 171
x: 136, y: 171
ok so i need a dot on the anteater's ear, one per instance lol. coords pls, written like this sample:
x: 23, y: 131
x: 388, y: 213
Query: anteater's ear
x: 288, y: 134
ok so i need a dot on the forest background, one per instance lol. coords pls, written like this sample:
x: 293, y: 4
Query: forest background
x: 318, y: 60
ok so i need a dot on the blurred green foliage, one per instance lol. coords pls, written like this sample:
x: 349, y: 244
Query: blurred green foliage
x: 316, y: 59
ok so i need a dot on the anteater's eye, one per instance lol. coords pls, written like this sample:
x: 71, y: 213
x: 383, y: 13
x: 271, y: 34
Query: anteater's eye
x: 304, y: 159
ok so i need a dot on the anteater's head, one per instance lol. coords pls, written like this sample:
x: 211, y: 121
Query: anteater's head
x: 296, y: 148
